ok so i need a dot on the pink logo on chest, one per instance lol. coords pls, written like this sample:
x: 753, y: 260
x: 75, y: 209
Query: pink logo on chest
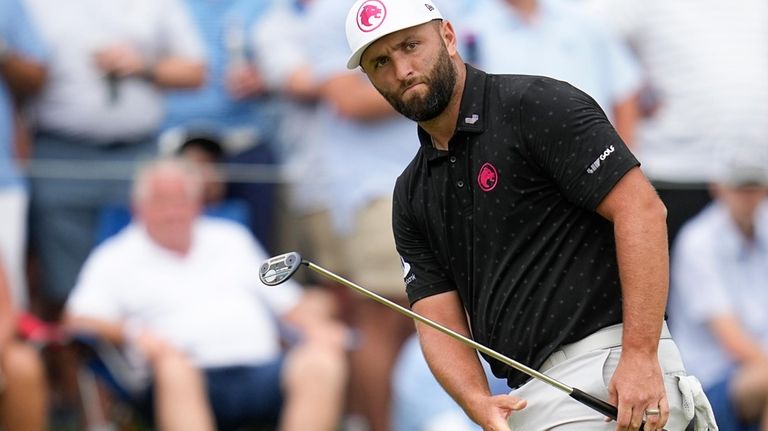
x: 488, y: 177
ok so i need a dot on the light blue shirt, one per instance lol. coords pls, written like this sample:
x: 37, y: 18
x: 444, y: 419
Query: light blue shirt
x: 16, y: 31
x: 226, y: 27
x: 715, y: 272
x: 358, y: 161
x: 561, y: 42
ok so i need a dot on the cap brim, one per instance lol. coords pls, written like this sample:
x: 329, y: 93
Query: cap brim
x: 356, y: 57
x: 354, y: 60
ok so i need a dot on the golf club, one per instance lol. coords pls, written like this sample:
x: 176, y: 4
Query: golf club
x: 278, y: 269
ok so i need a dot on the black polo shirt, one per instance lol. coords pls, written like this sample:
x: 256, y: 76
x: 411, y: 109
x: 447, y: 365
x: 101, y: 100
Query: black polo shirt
x: 506, y: 216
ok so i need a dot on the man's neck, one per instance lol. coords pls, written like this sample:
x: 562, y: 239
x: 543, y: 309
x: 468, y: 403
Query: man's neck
x: 442, y: 127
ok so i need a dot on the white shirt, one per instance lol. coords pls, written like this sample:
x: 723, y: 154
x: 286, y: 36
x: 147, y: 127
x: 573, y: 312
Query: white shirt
x: 707, y: 65
x: 716, y: 273
x: 77, y: 99
x: 210, y: 303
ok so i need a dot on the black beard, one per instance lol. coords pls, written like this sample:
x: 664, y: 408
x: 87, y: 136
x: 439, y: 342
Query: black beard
x: 441, y: 82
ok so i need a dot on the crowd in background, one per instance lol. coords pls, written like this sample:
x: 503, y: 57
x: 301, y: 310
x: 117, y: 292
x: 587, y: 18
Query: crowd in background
x: 274, y: 139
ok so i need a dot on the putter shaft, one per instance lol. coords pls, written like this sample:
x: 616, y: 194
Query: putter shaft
x: 278, y: 269
x: 415, y: 316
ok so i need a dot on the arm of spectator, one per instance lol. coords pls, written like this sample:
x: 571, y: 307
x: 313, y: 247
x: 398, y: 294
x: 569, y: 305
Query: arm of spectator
x: 626, y: 113
x: 301, y: 84
x: 355, y: 98
x: 148, y: 344
x: 22, y: 140
x: 124, y: 59
x: 741, y: 346
x: 177, y: 72
x: 7, y: 312
x: 111, y: 331
x: 24, y: 77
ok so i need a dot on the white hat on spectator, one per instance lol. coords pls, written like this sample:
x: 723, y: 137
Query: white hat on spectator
x: 370, y: 20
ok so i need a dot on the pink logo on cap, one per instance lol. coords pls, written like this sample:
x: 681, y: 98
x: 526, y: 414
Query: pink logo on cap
x: 371, y: 15
x: 488, y: 177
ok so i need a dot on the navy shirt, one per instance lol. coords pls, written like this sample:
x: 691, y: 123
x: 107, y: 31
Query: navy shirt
x: 506, y: 216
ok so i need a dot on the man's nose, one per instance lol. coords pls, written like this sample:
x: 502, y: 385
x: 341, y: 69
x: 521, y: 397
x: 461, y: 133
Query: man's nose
x: 403, y: 69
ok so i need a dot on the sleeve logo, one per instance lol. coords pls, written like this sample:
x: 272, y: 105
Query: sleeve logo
x: 407, y: 270
x: 598, y: 161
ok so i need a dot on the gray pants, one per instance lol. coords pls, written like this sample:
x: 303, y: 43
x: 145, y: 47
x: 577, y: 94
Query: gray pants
x: 551, y: 409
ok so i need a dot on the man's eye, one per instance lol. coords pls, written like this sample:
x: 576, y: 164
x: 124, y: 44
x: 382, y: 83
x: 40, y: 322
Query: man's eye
x: 411, y: 46
x: 381, y: 62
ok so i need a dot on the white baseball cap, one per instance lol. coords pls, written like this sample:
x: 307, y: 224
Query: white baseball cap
x: 370, y: 20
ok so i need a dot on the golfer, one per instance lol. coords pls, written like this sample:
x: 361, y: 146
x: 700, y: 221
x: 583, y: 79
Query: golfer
x: 525, y: 221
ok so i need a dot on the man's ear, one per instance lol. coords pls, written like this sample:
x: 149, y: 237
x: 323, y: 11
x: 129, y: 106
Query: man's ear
x: 449, y: 36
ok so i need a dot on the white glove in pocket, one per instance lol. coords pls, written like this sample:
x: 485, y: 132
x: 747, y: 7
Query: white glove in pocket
x: 696, y: 404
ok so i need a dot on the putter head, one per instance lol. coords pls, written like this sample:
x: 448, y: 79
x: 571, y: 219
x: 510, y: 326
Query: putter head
x: 279, y: 268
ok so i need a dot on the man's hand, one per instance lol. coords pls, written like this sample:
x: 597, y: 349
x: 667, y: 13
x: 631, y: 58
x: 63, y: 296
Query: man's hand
x: 637, y: 385
x: 121, y: 60
x: 246, y: 81
x: 492, y: 412
x: 150, y: 345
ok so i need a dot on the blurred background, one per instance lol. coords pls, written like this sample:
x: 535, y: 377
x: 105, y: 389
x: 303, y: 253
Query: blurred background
x: 302, y: 154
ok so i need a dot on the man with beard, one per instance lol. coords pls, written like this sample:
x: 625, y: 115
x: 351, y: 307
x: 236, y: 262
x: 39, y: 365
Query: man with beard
x: 524, y: 217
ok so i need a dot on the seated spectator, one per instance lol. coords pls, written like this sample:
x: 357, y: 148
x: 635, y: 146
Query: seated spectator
x: 206, y: 152
x: 183, y: 292
x: 23, y: 387
x: 718, y: 299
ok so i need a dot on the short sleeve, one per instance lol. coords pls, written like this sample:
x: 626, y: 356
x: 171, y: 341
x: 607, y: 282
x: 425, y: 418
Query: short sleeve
x: 19, y: 33
x: 422, y: 273
x: 94, y: 294
x: 570, y: 138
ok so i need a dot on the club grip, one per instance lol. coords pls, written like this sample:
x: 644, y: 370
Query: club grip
x: 597, y: 404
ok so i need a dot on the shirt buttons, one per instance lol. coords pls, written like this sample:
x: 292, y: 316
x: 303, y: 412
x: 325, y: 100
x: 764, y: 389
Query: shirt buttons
x: 453, y: 159
x: 459, y: 183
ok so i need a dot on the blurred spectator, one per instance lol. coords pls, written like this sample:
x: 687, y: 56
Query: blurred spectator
x: 23, y: 389
x: 419, y: 403
x: 718, y: 299
x: 164, y: 287
x: 206, y: 153
x: 556, y: 38
x: 233, y: 104
x: 361, y: 145
x: 98, y: 114
x: 705, y: 88
x: 22, y: 74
